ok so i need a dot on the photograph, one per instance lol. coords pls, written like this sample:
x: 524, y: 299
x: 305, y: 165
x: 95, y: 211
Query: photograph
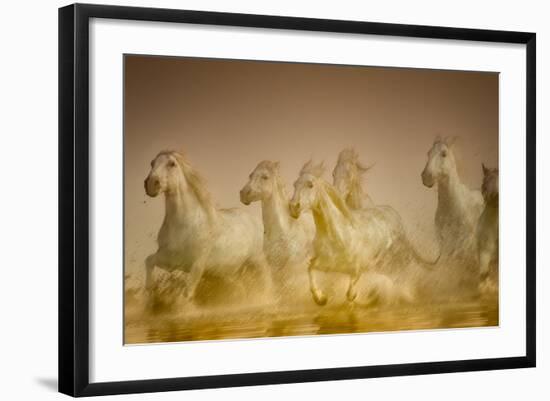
x: 274, y: 199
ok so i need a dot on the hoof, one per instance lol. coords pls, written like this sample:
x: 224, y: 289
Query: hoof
x: 320, y: 299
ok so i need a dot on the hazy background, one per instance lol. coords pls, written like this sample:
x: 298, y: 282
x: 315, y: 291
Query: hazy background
x: 229, y: 115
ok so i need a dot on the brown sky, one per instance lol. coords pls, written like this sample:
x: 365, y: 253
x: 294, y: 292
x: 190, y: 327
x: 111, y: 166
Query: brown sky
x: 229, y: 115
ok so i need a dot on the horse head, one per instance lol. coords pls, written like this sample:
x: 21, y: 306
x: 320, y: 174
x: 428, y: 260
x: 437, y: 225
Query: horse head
x: 262, y: 182
x: 165, y: 175
x: 306, y: 188
x: 347, y: 175
x: 441, y: 162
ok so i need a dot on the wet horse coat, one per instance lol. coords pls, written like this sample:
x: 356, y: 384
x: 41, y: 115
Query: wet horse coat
x: 346, y: 241
x: 287, y: 242
x: 456, y: 216
x: 195, y: 236
x: 487, y: 228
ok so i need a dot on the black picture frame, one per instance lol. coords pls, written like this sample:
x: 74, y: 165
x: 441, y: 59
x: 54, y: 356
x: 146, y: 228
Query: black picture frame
x: 74, y: 199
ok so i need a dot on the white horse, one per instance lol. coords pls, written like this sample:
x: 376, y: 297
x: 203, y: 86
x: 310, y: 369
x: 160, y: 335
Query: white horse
x: 195, y: 236
x: 487, y: 227
x: 458, y: 208
x: 347, y: 176
x: 287, y: 241
x: 346, y: 241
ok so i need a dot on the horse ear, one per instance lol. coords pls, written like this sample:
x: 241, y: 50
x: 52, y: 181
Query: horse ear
x: 306, y: 167
x: 320, y: 169
x: 276, y: 165
x: 437, y: 138
x: 485, y: 169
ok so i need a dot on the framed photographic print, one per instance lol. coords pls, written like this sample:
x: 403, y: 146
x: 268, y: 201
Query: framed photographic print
x: 249, y: 199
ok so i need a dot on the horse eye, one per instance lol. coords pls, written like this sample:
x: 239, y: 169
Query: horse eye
x: 152, y: 163
x: 310, y: 184
x: 444, y: 153
x: 171, y: 164
x: 264, y: 177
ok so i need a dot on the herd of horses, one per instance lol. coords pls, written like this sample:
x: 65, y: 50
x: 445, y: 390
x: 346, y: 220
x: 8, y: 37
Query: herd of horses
x: 328, y: 228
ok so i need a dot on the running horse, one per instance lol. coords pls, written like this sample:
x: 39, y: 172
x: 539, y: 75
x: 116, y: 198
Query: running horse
x: 347, y: 178
x: 287, y: 241
x: 351, y: 242
x: 487, y: 230
x: 195, y: 236
x: 456, y: 216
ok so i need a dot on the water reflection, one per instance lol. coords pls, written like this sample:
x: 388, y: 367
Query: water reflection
x: 228, y: 323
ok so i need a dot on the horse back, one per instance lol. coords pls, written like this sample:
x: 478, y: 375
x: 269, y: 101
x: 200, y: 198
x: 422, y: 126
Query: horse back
x: 383, y: 221
x: 240, y: 229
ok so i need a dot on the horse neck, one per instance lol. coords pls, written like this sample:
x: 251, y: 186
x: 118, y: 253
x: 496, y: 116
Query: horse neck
x: 184, y: 208
x: 275, y: 213
x: 357, y: 197
x: 329, y: 219
x: 450, y: 191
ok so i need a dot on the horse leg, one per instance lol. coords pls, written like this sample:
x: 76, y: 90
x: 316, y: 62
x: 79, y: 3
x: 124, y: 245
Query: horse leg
x: 150, y: 263
x: 264, y: 268
x: 239, y: 286
x: 194, y: 278
x: 318, y: 296
x: 351, y: 294
x: 485, y: 257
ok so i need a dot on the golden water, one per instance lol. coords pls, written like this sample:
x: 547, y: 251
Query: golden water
x: 223, y: 323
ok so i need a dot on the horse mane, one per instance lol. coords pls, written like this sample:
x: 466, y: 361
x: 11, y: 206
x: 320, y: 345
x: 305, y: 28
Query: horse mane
x: 195, y: 181
x: 337, y: 200
x: 348, y: 155
x: 280, y: 185
x: 314, y: 170
x: 356, y: 193
x: 333, y: 195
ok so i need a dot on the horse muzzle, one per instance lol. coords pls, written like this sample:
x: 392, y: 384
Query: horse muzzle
x: 152, y: 186
x: 427, y: 179
x: 244, y: 195
x: 294, y: 209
